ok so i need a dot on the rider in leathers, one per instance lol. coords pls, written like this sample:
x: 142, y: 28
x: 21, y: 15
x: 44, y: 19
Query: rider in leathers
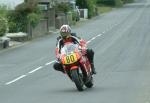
x: 67, y: 36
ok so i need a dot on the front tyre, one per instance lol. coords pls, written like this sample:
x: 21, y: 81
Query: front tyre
x: 77, y: 78
x: 89, y: 84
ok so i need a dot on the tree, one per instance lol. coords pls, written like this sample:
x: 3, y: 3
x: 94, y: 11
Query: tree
x: 3, y: 26
x: 89, y: 4
x: 82, y: 3
x: 127, y: 1
x: 24, y: 13
x: 118, y: 3
x: 3, y: 20
x: 106, y: 2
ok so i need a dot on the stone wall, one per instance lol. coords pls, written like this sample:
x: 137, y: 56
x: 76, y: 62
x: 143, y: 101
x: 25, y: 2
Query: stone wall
x: 63, y: 18
x: 4, y: 42
x: 40, y: 30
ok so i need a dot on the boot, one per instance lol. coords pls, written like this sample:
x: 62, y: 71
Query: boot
x: 58, y: 67
x: 90, y: 55
x: 93, y: 68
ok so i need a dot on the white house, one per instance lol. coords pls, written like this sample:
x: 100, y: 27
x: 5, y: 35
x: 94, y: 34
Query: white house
x: 11, y: 3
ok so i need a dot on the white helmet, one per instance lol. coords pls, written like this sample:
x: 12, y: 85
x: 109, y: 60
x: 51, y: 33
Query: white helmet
x: 65, y: 31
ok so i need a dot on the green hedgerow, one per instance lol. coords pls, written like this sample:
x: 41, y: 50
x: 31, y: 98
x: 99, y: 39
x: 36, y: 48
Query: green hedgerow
x: 3, y: 26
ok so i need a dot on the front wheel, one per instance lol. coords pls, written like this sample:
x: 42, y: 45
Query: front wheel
x: 77, y: 78
x: 89, y: 84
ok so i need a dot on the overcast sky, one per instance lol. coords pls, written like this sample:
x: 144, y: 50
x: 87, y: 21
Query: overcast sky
x: 10, y: 3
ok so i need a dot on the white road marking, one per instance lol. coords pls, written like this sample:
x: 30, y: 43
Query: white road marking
x: 93, y: 38
x: 88, y: 41
x: 36, y: 69
x: 15, y: 79
x: 99, y: 35
x: 50, y: 62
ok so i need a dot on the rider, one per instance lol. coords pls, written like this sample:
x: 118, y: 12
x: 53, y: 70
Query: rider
x: 67, y: 36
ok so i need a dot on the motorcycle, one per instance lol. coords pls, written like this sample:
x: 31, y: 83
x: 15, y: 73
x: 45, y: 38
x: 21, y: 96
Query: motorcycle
x: 76, y: 66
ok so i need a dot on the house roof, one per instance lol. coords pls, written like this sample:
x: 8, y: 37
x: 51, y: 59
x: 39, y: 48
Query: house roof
x: 11, y: 3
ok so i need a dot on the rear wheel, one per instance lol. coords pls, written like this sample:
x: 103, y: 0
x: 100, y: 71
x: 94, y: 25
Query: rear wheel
x: 77, y: 78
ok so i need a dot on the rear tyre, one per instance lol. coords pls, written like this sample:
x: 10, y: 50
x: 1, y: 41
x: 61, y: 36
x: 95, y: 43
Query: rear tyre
x: 77, y: 78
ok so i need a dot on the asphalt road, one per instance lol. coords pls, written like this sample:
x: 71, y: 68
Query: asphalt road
x: 121, y: 43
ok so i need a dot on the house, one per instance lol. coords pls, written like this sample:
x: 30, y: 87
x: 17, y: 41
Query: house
x: 11, y: 4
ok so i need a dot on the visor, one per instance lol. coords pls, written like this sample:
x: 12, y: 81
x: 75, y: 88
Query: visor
x: 64, y: 34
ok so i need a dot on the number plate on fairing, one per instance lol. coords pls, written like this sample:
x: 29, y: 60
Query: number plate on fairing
x: 70, y: 59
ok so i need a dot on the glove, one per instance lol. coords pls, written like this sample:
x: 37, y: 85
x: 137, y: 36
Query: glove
x: 84, y: 51
x: 83, y: 43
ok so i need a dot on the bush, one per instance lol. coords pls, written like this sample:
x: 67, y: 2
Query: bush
x: 12, y: 27
x: 82, y: 3
x: 128, y: 1
x: 3, y: 11
x: 17, y: 21
x: 23, y: 14
x: 89, y: 4
x: 106, y: 2
x: 74, y: 15
x: 3, y: 26
x: 63, y: 7
x: 118, y: 3
x: 33, y: 19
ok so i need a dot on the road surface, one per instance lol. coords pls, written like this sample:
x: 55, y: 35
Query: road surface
x: 121, y: 41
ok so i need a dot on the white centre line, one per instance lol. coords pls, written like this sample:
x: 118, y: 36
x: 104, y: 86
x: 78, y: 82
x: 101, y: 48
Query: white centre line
x: 93, y: 38
x: 36, y: 69
x: 88, y: 41
x: 50, y: 62
x: 15, y: 79
x: 99, y: 35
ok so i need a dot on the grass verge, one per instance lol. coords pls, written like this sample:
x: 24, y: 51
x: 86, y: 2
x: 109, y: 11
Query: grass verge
x: 104, y: 9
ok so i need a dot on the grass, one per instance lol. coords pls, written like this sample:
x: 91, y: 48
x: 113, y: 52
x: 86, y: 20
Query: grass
x: 104, y: 9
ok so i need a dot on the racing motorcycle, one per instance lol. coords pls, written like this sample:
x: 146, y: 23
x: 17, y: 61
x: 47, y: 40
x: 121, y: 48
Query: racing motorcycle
x: 76, y: 66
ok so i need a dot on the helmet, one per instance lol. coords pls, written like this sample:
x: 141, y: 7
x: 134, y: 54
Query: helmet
x: 65, y: 31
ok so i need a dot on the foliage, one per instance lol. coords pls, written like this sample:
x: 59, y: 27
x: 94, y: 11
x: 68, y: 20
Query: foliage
x: 106, y: 2
x: 3, y: 10
x: 23, y: 14
x: 17, y: 21
x: 82, y: 3
x: 33, y: 18
x: 104, y: 9
x: 74, y: 15
x: 118, y: 3
x: 62, y: 7
x: 3, y: 20
x: 128, y: 1
x: 89, y: 4
x: 3, y: 26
